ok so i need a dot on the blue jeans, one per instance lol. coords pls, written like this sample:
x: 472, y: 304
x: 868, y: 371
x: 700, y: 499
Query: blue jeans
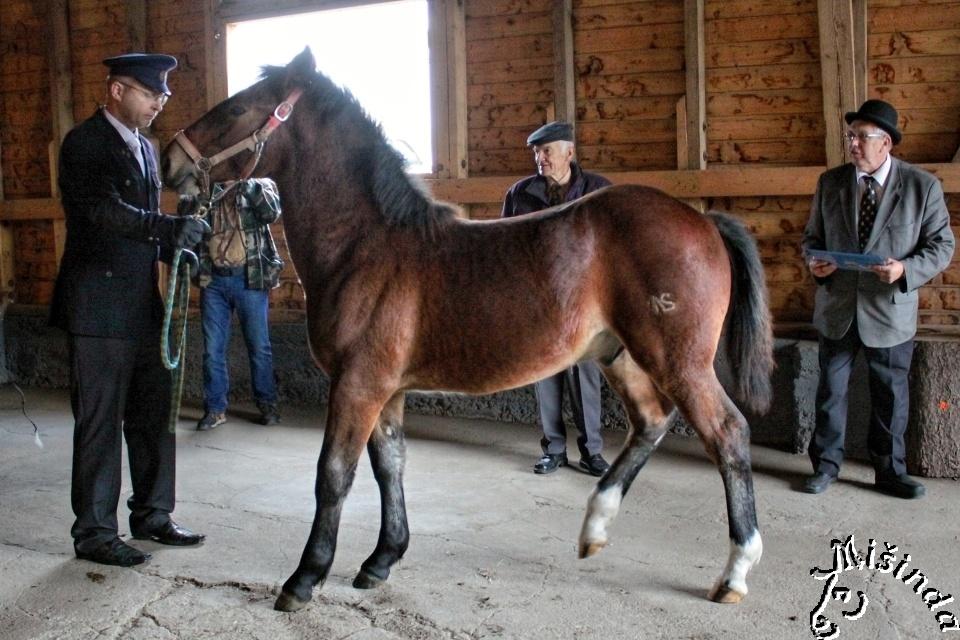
x: 218, y: 300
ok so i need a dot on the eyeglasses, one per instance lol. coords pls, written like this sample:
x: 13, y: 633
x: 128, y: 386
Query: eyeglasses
x: 861, y: 136
x: 154, y: 96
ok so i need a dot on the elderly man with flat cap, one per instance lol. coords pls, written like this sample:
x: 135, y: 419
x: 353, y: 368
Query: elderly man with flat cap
x: 107, y: 300
x: 878, y: 205
x: 560, y: 179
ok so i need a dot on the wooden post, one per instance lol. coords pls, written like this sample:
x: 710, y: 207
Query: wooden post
x: 448, y: 69
x: 137, y: 24
x: 860, y: 81
x: 838, y: 72
x: 696, y: 102
x: 215, y: 54
x: 564, y: 87
x: 61, y: 105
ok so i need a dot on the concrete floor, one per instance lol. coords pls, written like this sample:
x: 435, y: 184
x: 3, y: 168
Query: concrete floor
x: 493, y: 547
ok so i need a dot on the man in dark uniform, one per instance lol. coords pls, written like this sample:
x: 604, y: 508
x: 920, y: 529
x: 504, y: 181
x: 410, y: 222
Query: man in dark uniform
x: 560, y: 179
x: 107, y: 299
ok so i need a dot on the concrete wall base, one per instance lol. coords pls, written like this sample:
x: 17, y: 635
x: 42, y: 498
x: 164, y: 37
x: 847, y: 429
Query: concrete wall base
x: 37, y: 356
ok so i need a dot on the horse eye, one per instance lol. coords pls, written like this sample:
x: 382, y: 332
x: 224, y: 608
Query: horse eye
x: 237, y: 110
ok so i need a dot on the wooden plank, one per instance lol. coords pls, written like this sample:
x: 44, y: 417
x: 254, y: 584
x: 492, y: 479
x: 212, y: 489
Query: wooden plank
x: 509, y: 70
x: 780, y: 128
x: 720, y: 9
x: 764, y: 77
x: 911, y: 70
x: 502, y: 94
x: 515, y: 115
x: 920, y: 95
x: 629, y: 62
x: 506, y: 25
x: 451, y: 142
x: 838, y: 71
x: 564, y: 97
x: 624, y: 15
x: 480, y: 8
x: 771, y: 27
x: 748, y: 104
x: 682, y: 144
x: 61, y: 87
x: 507, y: 49
x: 670, y: 84
x: 628, y: 157
x: 902, y: 44
x: 695, y: 108
x: 772, y: 153
x: 627, y: 132
x: 922, y: 17
x: 659, y: 36
x: 639, y: 108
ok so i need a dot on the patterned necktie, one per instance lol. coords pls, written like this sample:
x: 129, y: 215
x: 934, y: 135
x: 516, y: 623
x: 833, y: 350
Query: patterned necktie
x: 868, y: 211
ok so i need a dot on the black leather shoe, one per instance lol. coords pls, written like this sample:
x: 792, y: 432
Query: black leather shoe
x: 115, y: 552
x: 169, y: 533
x: 900, y: 486
x: 595, y: 465
x: 550, y: 462
x: 269, y: 415
x: 818, y: 482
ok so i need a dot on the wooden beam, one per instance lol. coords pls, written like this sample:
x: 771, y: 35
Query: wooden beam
x: 448, y: 69
x: 61, y: 83
x: 682, y: 146
x: 137, y: 24
x: 564, y: 87
x: 860, y: 79
x: 215, y: 53
x: 7, y: 265
x: 696, y: 101
x: 838, y: 73
x: 732, y: 182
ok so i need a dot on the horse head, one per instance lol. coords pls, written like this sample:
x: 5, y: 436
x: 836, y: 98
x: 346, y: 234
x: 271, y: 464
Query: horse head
x: 230, y: 140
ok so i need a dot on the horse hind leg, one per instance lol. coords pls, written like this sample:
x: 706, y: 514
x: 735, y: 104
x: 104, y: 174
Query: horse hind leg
x: 351, y: 418
x: 387, y: 456
x: 649, y: 415
x: 726, y: 438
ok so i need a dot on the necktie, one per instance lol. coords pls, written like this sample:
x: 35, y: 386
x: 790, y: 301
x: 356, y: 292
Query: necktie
x: 554, y: 194
x: 135, y: 149
x: 868, y: 211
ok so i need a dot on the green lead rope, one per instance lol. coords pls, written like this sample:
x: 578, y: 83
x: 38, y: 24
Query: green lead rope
x: 174, y: 363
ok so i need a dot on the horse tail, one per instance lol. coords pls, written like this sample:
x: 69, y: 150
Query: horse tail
x: 749, y: 328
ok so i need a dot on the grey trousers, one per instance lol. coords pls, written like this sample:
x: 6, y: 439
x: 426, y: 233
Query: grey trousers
x: 582, y: 382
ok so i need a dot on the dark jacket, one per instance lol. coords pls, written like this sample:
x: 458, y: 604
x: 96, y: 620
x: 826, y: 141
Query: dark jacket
x: 530, y: 194
x: 107, y: 284
x: 258, y: 205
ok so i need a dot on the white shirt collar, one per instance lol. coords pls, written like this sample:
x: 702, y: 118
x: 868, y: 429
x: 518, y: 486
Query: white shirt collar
x: 131, y: 137
x: 881, y: 174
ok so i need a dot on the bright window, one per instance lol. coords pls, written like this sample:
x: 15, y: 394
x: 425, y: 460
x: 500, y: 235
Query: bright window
x: 378, y: 51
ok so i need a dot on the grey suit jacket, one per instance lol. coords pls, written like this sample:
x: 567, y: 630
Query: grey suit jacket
x: 912, y: 226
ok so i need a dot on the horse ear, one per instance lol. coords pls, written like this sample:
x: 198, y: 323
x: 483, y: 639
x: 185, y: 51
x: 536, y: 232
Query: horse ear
x: 303, y: 65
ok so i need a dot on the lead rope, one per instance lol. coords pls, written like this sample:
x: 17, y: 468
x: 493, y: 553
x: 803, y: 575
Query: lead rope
x: 175, y: 363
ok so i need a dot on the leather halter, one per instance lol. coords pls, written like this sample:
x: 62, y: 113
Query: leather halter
x: 254, y: 142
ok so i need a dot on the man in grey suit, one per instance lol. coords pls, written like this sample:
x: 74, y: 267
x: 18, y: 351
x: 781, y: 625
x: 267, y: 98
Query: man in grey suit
x: 879, y: 205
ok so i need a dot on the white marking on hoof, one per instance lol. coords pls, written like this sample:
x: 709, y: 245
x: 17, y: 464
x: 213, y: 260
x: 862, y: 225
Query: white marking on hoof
x: 731, y: 586
x: 602, y: 508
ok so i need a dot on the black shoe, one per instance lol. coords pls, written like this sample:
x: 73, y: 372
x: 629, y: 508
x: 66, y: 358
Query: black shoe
x: 269, y: 415
x: 818, y: 482
x: 169, y: 533
x: 595, y: 465
x: 550, y: 462
x: 211, y: 420
x: 115, y: 552
x: 900, y: 486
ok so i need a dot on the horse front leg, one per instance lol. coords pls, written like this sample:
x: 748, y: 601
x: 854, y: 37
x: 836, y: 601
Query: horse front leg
x: 387, y: 456
x: 351, y: 418
x: 649, y: 413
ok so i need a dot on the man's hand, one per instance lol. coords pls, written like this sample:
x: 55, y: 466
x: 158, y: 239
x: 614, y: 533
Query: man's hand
x: 890, y: 271
x: 821, y: 268
x: 188, y: 232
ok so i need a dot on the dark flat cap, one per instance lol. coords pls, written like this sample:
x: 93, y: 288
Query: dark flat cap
x: 551, y: 132
x: 149, y: 69
x: 879, y: 113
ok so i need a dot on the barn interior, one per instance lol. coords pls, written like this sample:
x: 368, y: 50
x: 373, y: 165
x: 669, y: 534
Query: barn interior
x: 731, y: 105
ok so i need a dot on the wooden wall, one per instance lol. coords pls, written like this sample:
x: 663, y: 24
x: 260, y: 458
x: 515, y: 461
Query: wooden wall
x: 763, y: 92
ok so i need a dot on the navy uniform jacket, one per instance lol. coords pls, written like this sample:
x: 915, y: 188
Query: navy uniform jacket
x: 530, y: 194
x: 107, y: 284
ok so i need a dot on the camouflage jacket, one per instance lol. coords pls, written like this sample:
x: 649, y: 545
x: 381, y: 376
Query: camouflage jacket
x: 257, y: 204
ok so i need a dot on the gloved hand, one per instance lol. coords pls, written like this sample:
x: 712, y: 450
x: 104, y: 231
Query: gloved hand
x: 188, y: 232
x: 189, y: 205
x: 251, y: 191
x: 190, y: 259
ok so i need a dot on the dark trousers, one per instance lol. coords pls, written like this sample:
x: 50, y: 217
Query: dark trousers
x: 889, y: 403
x: 118, y: 384
x: 582, y: 382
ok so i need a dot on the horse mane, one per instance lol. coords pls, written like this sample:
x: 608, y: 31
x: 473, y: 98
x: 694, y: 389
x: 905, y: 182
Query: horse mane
x: 402, y: 199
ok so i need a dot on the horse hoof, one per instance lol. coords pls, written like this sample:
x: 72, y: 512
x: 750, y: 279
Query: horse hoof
x: 365, y: 580
x: 590, y: 549
x: 723, y: 594
x: 289, y: 602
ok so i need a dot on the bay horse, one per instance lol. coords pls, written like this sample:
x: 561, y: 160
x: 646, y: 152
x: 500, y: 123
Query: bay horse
x: 403, y: 293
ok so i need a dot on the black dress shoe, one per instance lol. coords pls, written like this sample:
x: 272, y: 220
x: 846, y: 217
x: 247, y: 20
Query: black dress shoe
x: 115, y: 552
x: 818, y: 482
x: 900, y: 486
x: 595, y: 465
x: 169, y: 533
x: 550, y: 462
